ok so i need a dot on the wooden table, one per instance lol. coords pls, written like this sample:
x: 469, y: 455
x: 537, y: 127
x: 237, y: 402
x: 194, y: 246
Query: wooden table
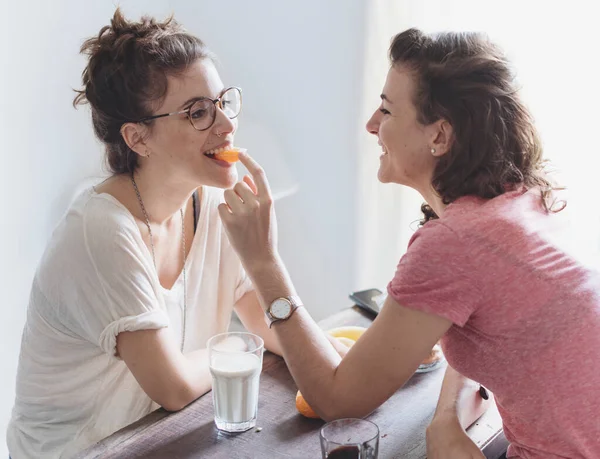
x: 191, y: 433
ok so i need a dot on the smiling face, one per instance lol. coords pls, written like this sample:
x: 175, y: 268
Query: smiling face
x: 174, y: 146
x: 407, y: 158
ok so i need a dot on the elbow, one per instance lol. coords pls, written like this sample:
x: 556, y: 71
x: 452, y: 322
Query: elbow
x: 337, y: 408
x: 174, y: 405
x: 176, y: 400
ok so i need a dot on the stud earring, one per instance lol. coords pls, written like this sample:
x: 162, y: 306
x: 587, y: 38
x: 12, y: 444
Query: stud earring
x: 433, y: 151
x: 219, y: 134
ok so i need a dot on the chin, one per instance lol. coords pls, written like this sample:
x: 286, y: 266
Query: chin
x: 383, y: 177
x: 224, y: 181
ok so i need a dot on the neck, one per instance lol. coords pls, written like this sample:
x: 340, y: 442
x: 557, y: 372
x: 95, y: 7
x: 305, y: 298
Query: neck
x: 433, y: 199
x: 163, y: 195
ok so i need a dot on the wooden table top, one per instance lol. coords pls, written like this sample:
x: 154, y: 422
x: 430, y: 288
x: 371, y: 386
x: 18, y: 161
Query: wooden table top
x: 191, y: 433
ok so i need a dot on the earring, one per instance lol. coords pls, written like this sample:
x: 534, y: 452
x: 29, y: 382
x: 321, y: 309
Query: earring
x: 219, y: 134
x: 433, y: 151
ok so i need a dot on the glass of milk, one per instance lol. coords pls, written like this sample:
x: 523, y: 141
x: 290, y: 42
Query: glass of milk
x: 235, y: 362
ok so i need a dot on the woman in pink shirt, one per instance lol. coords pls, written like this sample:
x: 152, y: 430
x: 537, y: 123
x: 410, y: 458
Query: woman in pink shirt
x: 488, y: 273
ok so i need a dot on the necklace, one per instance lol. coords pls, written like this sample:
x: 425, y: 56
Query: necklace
x: 139, y: 197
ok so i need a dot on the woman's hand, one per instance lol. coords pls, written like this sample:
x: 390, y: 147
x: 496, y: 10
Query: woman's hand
x: 249, y: 218
x: 446, y: 439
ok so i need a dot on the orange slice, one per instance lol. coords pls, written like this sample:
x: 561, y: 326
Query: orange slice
x: 304, y: 408
x: 231, y: 155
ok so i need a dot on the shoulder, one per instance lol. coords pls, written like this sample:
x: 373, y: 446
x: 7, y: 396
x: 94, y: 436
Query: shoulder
x: 103, y: 218
x: 95, y: 223
x: 511, y: 215
x: 92, y: 229
x: 433, y: 235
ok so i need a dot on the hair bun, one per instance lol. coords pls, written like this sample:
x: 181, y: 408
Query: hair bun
x: 128, y: 65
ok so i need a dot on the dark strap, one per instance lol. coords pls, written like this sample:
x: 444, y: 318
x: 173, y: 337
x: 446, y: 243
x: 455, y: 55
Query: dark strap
x: 196, y: 209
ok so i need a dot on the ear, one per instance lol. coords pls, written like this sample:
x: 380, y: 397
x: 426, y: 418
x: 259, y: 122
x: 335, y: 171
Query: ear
x: 134, y: 136
x: 442, y: 136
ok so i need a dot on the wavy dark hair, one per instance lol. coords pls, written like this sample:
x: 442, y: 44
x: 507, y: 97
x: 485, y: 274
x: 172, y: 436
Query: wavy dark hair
x: 465, y: 79
x: 127, y: 71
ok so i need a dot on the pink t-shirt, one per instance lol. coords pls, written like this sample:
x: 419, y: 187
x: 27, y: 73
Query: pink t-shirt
x: 525, y: 313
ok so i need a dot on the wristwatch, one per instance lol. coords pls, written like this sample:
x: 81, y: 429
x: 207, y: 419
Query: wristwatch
x: 282, y: 309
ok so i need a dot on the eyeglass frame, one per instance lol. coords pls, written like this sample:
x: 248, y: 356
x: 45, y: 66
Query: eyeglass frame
x: 188, y: 111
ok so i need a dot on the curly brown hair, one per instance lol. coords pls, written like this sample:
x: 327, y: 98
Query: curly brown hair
x: 127, y: 71
x: 467, y: 80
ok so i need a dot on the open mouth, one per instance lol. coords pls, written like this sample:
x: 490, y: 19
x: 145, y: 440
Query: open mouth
x: 212, y: 153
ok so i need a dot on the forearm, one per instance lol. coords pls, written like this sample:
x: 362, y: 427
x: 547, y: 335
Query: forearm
x: 167, y: 376
x: 198, y: 378
x: 310, y: 354
x: 459, y: 400
x: 188, y: 380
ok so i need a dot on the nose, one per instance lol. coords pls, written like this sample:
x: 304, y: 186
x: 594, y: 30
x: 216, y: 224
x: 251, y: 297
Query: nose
x: 223, y: 124
x: 373, y: 123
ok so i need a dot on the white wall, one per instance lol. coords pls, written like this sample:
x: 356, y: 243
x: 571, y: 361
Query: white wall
x: 299, y: 65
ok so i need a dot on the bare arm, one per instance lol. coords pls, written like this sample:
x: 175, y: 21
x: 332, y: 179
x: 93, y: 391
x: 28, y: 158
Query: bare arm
x: 364, y: 379
x: 170, y: 378
x: 251, y: 314
x: 376, y: 366
x: 459, y: 406
x: 459, y: 400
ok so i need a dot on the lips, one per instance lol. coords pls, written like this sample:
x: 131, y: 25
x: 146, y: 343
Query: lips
x: 211, y: 153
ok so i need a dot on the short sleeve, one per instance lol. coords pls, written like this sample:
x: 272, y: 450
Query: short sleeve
x: 436, y: 275
x: 125, y: 295
x: 244, y: 285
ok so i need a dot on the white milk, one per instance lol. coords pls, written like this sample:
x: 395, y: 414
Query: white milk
x: 235, y: 389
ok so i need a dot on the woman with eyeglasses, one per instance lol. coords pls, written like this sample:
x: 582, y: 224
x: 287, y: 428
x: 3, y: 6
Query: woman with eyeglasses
x: 139, y: 273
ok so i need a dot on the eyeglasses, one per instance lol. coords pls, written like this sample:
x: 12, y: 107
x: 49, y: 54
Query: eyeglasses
x: 203, y: 112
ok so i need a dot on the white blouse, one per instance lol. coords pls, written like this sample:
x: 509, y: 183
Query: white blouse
x: 95, y: 280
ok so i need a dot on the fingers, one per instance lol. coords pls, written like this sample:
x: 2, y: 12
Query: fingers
x: 258, y: 175
x: 233, y: 200
x: 244, y: 191
x: 224, y: 212
x: 239, y: 196
x: 248, y: 180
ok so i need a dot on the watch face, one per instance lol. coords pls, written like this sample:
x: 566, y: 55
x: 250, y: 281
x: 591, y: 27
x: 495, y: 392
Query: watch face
x: 281, y: 309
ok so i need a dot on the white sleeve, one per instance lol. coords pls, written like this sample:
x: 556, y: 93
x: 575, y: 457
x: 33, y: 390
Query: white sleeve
x: 243, y: 286
x: 126, y: 295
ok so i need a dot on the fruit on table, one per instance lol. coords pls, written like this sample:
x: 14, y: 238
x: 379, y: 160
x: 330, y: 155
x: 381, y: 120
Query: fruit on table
x: 346, y: 335
x: 349, y: 331
x: 304, y: 408
x: 346, y: 341
x: 434, y: 356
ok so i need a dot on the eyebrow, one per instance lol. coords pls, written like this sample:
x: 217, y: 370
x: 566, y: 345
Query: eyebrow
x: 384, y: 97
x: 191, y: 100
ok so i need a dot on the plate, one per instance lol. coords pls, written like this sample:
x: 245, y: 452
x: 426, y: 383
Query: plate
x: 431, y: 367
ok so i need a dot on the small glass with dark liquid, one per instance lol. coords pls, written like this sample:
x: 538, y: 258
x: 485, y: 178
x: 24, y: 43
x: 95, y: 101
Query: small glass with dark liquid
x: 349, y: 439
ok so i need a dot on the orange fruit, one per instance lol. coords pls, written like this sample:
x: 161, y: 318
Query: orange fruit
x: 231, y: 156
x: 304, y: 408
x: 346, y: 341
